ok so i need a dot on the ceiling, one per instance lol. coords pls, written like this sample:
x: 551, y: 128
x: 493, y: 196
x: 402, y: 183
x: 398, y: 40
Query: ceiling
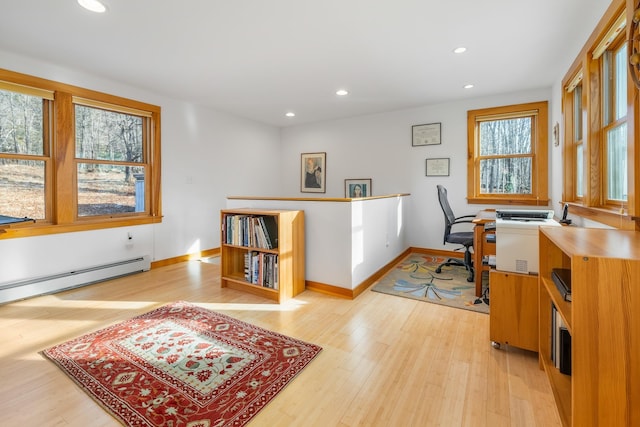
x: 262, y: 58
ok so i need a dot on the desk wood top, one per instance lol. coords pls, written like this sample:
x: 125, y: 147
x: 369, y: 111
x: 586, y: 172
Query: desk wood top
x: 485, y: 215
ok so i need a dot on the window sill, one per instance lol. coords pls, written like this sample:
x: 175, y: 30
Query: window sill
x: 12, y: 231
x: 608, y: 216
x: 530, y: 201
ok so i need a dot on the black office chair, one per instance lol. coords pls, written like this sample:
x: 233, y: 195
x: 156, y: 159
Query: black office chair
x: 464, y: 238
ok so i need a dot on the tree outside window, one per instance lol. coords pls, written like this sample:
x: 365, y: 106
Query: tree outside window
x: 24, y: 143
x: 112, y: 182
x: 507, y: 161
x: 102, y: 171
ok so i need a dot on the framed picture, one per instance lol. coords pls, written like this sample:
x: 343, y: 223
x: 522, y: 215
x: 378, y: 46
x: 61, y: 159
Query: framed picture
x: 354, y: 188
x: 438, y: 167
x: 428, y: 134
x: 556, y: 134
x: 313, y: 172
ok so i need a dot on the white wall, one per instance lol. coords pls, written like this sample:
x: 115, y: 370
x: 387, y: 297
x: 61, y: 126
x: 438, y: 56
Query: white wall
x: 379, y: 147
x: 206, y: 156
x: 345, y: 242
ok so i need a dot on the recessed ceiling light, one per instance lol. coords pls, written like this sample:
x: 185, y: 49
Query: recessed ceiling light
x: 459, y: 50
x: 342, y: 92
x: 290, y: 114
x: 469, y: 86
x: 93, y: 5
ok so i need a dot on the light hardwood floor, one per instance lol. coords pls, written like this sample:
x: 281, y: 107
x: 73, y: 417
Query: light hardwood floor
x: 386, y: 361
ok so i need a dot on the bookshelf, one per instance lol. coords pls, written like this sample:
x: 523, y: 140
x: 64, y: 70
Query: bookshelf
x: 262, y: 252
x: 602, y: 318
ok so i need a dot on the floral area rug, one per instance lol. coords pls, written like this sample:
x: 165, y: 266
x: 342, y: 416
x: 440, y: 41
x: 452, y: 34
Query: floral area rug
x: 415, y: 277
x: 182, y: 365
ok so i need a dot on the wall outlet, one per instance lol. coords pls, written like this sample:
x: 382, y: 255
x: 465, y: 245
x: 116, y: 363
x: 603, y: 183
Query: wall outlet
x: 129, y: 243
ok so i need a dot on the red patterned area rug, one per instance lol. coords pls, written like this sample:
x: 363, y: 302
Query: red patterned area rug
x: 182, y: 365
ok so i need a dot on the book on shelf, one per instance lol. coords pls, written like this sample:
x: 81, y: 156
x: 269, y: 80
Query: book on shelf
x: 560, y: 343
x: 261, y: 269
x: 565, y: 351
x: 554, y: 317
x: 259, y: 231
x: 247, y: 267
x: 562, y: 279
x: 270, y: 228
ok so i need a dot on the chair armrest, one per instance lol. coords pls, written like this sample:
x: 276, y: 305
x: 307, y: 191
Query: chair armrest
x: 465, y: 216
x: 461, y: 220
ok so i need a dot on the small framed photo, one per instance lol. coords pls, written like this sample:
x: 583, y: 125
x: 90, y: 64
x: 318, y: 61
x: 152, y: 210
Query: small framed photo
x: 556, y: 134
x: 354, y: 188
x: 313, y: 172
x: 428, y: 134
x: 438, y: 167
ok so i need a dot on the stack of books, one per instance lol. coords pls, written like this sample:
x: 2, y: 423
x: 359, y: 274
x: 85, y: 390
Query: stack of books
x: 261, y: 269
x: 251, y: 231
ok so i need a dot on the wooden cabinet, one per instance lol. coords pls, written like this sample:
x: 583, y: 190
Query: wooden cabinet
x: 603, y: 319
x: 279, y: 278
x: 513, y: 318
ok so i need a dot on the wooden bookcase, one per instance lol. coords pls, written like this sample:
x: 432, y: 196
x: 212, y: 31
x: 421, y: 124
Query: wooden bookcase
x: 289, y: 252
x: 603, y: 319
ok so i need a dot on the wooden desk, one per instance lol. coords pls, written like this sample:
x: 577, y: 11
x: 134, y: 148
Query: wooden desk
x: 480, y: 245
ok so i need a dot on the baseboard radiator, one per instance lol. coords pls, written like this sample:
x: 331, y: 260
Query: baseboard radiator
x: 22, y: 289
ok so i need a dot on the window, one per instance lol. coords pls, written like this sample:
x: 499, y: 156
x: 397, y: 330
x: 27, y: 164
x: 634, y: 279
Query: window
x: 75, y: 159
x: 24, y: 149
x: 508, y: 154
x: 614, y: 66
x: 596, y: 111
x: 577, y: 141
x: 574, y: 147
x: 110, y: 161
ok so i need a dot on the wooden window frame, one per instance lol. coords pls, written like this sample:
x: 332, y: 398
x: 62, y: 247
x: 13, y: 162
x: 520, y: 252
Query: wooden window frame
x: 60, y: 175
x: 570, y: 147
x: 594, y: 204
x: 539, y: 154
x: 613, y: 123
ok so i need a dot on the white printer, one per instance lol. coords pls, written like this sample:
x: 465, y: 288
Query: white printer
x: 517, y: 238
